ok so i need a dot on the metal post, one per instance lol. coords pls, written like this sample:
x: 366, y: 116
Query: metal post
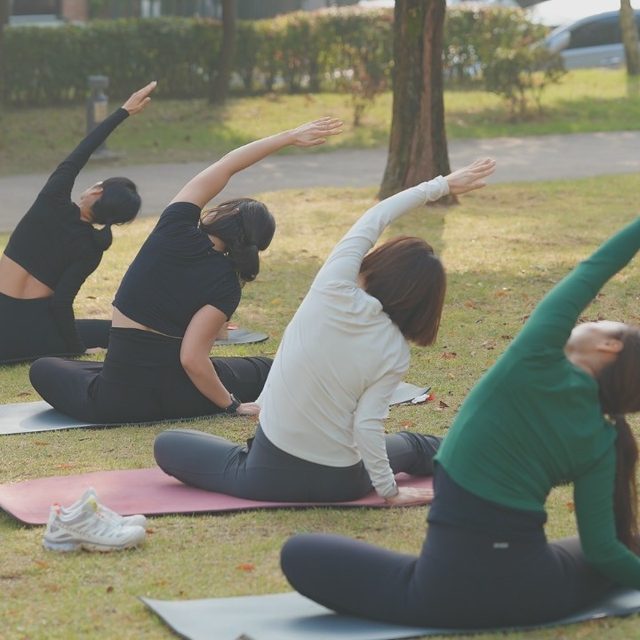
x: 97, y: 107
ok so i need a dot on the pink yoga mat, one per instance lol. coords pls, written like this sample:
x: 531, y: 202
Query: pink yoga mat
x: 147, y: 491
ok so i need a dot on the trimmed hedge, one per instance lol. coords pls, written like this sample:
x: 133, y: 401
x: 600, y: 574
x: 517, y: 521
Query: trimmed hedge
x: 301, y: 51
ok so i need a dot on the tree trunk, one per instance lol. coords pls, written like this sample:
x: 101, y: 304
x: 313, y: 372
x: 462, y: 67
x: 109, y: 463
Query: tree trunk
x: 5, y: 9
x: 219, y: 86
x: 418, y: 141
x: 630, y: 38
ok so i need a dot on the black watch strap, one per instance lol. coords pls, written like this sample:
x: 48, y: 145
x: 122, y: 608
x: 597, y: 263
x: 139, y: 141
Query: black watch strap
x: 233, y: 407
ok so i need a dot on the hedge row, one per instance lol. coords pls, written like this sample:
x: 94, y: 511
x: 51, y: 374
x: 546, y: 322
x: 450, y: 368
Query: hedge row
x: 299, y: 51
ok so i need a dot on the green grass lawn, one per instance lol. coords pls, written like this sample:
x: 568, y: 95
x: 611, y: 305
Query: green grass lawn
x: 173, y: 131
x: 503, y: 248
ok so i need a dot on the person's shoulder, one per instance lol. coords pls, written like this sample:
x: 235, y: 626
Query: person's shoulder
x: 182, y: 208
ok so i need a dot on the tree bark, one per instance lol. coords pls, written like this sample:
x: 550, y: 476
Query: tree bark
x: 5, y: 9
x: 219, y: 87
x: 418, y: 141
x: 630, y: 38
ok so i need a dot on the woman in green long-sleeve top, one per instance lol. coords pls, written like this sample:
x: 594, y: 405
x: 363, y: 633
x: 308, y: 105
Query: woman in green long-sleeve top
x: 550, y: 411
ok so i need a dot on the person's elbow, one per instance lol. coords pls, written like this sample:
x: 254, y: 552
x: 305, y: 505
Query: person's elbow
x: 192, y: 362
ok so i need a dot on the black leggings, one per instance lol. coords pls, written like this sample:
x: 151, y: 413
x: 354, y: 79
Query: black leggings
x: 464, y: 578
x: 28, y: 330
x: 141, y: 380
x: 262, y: 471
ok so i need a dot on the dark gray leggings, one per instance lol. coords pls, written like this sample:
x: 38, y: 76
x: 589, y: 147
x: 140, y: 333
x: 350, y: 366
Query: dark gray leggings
x: 262, y: 471
x: 28, y: 330
x: 141, y: 380
x: 464, y: 578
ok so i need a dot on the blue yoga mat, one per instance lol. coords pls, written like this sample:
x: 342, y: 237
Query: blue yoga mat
x: 290, y: 616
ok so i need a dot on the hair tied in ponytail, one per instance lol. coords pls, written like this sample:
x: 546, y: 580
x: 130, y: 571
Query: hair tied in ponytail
x: 103, y: 237
x: 246, y: 261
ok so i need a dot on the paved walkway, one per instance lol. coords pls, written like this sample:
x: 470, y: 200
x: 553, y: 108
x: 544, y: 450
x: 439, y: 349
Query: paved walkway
x: 519, y: 159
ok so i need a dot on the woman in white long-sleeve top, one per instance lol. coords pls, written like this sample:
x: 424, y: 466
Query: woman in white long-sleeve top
x: 321, y: 434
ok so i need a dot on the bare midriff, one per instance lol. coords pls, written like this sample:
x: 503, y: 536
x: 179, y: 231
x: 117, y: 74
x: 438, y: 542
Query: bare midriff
x: 17, y: 282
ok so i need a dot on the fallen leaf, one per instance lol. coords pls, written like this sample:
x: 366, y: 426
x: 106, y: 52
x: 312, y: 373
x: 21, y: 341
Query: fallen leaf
x: 470, y: 304
x: 109, y: 589
x: 448, y: 355
x: 407, y: 424
x: 571, y: 507
x: 246, y: 566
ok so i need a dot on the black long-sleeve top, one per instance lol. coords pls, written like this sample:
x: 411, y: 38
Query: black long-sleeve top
x: 53, y: 243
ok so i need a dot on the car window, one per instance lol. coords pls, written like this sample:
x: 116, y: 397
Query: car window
x: 597, y: 33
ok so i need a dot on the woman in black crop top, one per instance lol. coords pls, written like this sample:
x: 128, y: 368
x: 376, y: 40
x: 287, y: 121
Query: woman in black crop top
x: 180, y: 290
x: 55, y: 247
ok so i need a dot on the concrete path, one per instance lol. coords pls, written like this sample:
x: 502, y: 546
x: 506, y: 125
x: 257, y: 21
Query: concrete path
x: 519, y: 159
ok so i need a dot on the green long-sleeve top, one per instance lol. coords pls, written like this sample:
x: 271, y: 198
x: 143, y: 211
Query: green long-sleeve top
x: 534, y: 420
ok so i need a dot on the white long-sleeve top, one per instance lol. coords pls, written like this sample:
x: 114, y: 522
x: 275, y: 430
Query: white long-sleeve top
x: 341, y: 357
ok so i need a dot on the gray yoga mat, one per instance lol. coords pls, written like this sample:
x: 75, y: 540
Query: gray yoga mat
x: 32, y: 417
x: 241, y: 336
x: 290, y: 616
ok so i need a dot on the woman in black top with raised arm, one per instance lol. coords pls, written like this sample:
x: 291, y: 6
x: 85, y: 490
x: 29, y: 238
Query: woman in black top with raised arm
x: 180, y: 290
x: 55, y: 247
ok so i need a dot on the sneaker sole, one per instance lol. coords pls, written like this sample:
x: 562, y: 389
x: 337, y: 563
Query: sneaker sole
x: 64, y: 547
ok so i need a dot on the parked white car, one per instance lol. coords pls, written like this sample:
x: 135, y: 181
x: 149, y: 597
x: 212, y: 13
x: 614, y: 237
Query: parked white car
x: 595, y: 41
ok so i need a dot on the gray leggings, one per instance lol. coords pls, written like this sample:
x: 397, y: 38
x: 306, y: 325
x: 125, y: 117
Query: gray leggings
x: 498, y: 570
x: 262, y: 471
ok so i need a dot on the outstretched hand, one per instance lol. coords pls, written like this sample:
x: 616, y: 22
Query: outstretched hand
x: 313, y: 133
x: 140, y: 99
x: 408, y: 496
x: 470, y: 177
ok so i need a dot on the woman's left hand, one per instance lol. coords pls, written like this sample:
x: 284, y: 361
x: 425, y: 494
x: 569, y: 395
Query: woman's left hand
x: 313, y: 133
x: 140, y: 99
x: 248, y: 409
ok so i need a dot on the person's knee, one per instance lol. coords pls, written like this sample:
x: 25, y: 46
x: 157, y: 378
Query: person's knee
x: 163, y: 446
x: 42, y: 374
x: 289, y: 558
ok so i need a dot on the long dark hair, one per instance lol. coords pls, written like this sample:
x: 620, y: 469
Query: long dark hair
x: 246, y: 227
x: 408, y: 279
x: 619, y: 384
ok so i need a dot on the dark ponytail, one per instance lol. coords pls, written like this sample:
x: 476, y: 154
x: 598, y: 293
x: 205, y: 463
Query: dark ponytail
x: 625, y: 497
x: 246, y: 227
x: 103, y: 237
x: 619, y: 385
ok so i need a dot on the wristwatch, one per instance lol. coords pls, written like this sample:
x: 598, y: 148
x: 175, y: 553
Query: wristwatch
x: 233, y: 407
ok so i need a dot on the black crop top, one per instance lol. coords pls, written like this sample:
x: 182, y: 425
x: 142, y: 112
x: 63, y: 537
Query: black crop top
x: 177, y: 272
x: 52, y: 243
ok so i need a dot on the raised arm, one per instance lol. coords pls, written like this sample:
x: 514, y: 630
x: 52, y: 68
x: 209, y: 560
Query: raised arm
x: 61, y: 181
x: 208, y: 183
x: 344, y: 261
x: 555, y: 316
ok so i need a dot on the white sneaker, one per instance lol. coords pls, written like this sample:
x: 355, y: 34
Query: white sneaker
x: 88, y: 528
x: 90, y: 494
